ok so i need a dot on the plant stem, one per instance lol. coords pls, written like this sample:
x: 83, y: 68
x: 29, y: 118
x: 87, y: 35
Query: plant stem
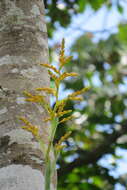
x: 50, y: 165
x: 47, y: 175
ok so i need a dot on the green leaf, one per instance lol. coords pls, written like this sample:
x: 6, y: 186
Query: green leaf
x: 123, y: 33
x: 73, y: 178
x: 82, y: 4
x: 97, y: 4
x: 120, y: 8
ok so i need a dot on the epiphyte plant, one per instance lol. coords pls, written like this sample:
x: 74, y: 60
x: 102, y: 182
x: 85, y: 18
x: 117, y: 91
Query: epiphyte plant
x: 54, y: 114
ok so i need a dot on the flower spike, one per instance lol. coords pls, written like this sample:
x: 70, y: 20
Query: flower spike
x: 55, y: 115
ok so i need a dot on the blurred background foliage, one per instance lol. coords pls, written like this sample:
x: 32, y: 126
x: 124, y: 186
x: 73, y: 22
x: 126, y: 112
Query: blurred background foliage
x: 99, y: 127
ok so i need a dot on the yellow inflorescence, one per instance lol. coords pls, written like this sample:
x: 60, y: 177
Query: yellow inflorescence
x: 25, y: 121
x: 34, y: 98
x: 62, y: 58
x: 53, y: 76
x: 47, y: 90
x: 79, y: 92
x: 47, y: 119
x: 50, y: 67
x: 59, y: 145
x: 75, y: 98
x: 65, y: 75
x: 59, y: 114
x: 60, y: 105
x: 28, y: 94
x: 66, y: 119
x: 29, y: 127
x: 54, y: 114
x: 32, y: 129
x: 62, y: 49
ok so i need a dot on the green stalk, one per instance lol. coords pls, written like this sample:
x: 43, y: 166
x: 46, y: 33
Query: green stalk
x: 54, y: 126
x: 47, y: 175
x: 50, y: 166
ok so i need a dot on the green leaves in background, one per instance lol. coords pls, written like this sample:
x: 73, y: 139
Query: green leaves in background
x: 63, y: 16
x: 123, y: 33
x: 99, y: 121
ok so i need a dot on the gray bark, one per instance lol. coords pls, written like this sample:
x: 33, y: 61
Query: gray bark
x: 23, y: 45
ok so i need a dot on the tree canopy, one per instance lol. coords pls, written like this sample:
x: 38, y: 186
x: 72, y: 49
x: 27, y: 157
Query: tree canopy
x: 61, y: 11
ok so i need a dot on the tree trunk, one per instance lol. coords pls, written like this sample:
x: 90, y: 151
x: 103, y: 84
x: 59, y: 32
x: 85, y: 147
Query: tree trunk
x: 23, y: 45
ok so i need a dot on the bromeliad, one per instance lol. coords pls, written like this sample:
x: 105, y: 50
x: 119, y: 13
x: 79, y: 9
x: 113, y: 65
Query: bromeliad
x: 54, y: 114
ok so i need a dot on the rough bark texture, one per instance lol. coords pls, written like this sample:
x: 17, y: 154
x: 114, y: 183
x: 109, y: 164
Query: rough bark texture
x: 23, y: 45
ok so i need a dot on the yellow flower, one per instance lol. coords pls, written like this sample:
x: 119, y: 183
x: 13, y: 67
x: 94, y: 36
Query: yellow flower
x: 59, y: 114
x: 75, y: 98
x: 28, y: 94
x: 79, y: 92
x: 60, y: 105
x: 66, y: 119
x: 34, y: 130
x: 53, y: 76
x: 50, y: 67
x: 25, y: 120
x: 29, y: 127
x: 47, y: 90
x: 36, y: 98
x: 62, y: 139
x: 59, y: 147
x: 65, y: 75
x: 63, y: 60
x: 47, y: 119
x: 62, y: 51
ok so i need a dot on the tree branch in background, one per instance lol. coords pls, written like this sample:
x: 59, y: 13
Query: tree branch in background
x: 94, y: 155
